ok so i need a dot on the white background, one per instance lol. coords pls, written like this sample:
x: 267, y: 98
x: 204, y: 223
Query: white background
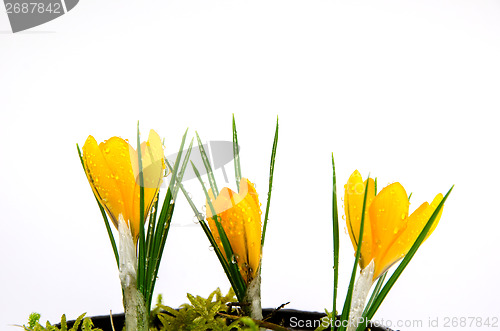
x: 405, y: 91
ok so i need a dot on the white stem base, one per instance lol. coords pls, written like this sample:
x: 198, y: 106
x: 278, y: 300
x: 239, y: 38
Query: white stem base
x: 361, y: 290
x: 253, y: 298
x: 136, y: 317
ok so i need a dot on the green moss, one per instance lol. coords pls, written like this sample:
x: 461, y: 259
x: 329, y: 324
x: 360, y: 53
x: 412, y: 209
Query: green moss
x: 200, y: 314
x: 197, y: 315
x: 34, y: 324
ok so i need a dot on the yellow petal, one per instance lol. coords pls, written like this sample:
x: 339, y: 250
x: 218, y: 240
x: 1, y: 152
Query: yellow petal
x: 239, y: 215
x: 353, y: 200
x: 407, y: 236
x: 117, y: 154
x: 102, y: 180
x: 112, y: 170
x: 252, y: 223
x: 388, y: 217
x: 153, y: 166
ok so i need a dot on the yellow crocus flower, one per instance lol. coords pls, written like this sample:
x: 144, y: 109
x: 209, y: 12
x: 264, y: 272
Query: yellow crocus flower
x: 388, y: 232
x: 240, y: 216
x: 113, y: 172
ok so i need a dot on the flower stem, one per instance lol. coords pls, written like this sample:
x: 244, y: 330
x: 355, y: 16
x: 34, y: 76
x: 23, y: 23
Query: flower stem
x: 359, y: 295
x: 136, y: 316
x: 253, y: 306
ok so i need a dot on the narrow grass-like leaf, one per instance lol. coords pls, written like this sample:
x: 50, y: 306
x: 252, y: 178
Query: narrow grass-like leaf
x: 271, y: 176
x: 166, y: 209
x: 348, y: 299
x: 163, y: 225
x: 233, y: 267
x: 208, y: 233
x: 208, y: 168
x: 178, y: 180
x: 336, y: 248
x: 375, y: 292
x: 236, y: 156
x: 387, y: 287
x: 151, y: 230
x: 104, y: 216
x: 183, y: 169
x: 142, y: 242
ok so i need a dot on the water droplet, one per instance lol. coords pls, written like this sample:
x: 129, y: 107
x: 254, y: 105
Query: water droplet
x: 235, y: 258
x: 211, y: 248
x: 395, y: 230
x: 403, y: 216
x: 343, y: 217
x: 196, y: 219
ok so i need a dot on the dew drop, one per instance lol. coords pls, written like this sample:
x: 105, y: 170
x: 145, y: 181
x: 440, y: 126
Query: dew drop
x: 196, y: 220
x: 211, y: 248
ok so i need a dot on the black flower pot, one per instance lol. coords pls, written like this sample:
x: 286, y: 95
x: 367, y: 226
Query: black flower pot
x: 296, y: 320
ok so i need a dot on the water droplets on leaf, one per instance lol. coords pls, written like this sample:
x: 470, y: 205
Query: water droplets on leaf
x: 196, y: 219
x: 234, y: 258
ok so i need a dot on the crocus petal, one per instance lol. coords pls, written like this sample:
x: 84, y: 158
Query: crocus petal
x: 102, y: 180
x: 239, y: 214
x: 353, y: 200
x: 118, y: 157
x: 153, y: 166
x: 407, y: 237
x: 112, y: 170
x: 388, y: 217
x: 252, y: 224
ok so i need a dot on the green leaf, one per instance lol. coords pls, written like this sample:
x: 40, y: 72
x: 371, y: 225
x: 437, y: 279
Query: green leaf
x: 234, y: 272
x: 159, y: 236
x: 209, y: 235
x: 375, y: 292
x: 142, y: 241
x: 336, y: 248
x: 208, y: 168
x: 104, y: 216
x: 271, y: 175
x: 236, y: 155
